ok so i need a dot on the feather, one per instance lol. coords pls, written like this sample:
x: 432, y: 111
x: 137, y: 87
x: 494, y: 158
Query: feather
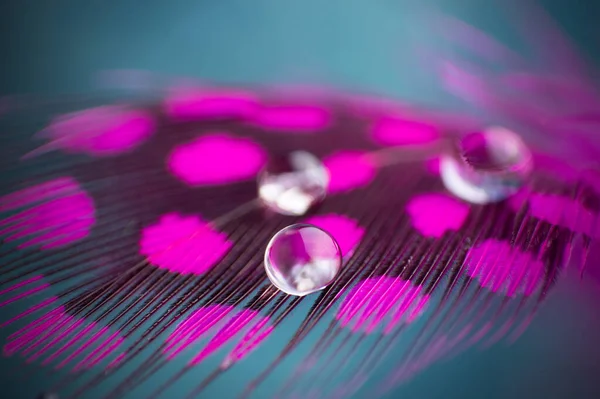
x: 132, y: 240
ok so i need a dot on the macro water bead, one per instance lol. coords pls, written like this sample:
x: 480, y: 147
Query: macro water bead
x: 487, y: 166
x: 291, y: 185
x: 301, y: 259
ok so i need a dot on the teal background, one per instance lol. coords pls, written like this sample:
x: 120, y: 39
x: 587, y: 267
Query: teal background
x: 58, y: 46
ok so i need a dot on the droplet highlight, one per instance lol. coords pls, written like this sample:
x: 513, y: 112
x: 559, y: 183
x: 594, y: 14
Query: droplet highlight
x: 487, y: 166
x: 291, y: 185
x: 302, y: 259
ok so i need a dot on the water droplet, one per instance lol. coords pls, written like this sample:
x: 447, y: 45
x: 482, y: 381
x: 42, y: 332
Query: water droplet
x: 292, y: 184
x: 301, y: 259
x: 486, y: 166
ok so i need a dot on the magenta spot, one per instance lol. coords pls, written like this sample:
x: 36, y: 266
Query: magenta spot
x: 24, y: 294
x: 397, y: 131
x: 21, y: 284
x: 183, y: 244
x: 101, y: 131
x: 64, y: 340
x: 42, y: 192
x: 195, y: 327
x: 501, y: 268
x: 194, y: 103
x: 434, y: 214
x: 292, y: 118
x: 22, y: 290
x: 378, y: 299
x: 235, y: 326
x: 216, y: 159
x: 106, y: 347
x: 559, y: 210
x: 33, y: 309
x: 346, y: 231
x: 257, y: 334
x: 348, y: 170
x: 57, y: 213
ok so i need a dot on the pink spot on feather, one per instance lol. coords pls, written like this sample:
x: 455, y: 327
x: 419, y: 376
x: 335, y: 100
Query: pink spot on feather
x: 233, y: 328
x: 45, y: 303
x: 292, y: 118
x: 348, y: 170
x: 404, y: 132
x: 64, y: 340
x: 21, y: 290
x: 195, y: 327
x: 381, y: 299
x: 501, y: 268
x: 57, y: 213
x: 559, y: 210
x: 434, y: 214
x: 249, y: 342
x: 183, y: 244
x: 216, y: 159
x: 195, y: 103
x: 101, y: 131
x: 346, y: 231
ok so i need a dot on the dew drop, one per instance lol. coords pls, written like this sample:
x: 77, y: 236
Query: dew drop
x: 487, y: 166
x: 291, y: 185
x: 302, y: 259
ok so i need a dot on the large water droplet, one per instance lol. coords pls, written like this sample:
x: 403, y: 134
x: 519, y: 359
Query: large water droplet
x: 486, y: 166
x: 301, y: 259
x: 292, y: 184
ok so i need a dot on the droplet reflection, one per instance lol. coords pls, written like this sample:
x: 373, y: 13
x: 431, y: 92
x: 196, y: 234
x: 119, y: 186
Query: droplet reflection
x: 302, y: 259
x: 292, y: 184
x: 486, y: 166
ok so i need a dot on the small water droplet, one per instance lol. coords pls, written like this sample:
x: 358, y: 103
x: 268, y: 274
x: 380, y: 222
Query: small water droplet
x: 293, y: 184
x: 486, y: 166
x: 301, y: 259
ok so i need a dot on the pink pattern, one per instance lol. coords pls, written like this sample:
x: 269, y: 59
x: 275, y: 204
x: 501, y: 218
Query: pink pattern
x: 101, y: 131
x: 292, y: 118
x: 235, y: 326
x: 24, y: 289
x: 433, y: 214
x: 57, y: 213
x: 67, y: 341
x: 217, y: 158
x: 195, y: 327
x: 348, y: 170
x: 375, y: 300
x: 559, y: 210
x: 249, y: 342
x: 183, y: 244
x: 501, y: 268
x: 185, y: 103
x: 399, y: 131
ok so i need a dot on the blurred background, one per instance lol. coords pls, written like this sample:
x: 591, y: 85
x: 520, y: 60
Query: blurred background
x: 58, y: 46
